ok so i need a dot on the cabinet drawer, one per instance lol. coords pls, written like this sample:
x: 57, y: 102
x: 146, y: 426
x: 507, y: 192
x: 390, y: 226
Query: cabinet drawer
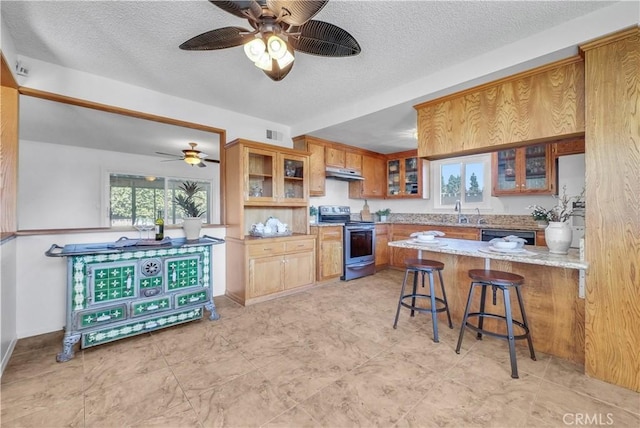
x: 266, y: 249
x: 138, y: 326
x: 100, y: 316
x: 305, y: 245
x: 190, y: 298
x: 144, y: 307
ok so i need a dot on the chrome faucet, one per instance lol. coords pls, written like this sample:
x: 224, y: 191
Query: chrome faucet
x: 458, y: 209
x: 480, y: 219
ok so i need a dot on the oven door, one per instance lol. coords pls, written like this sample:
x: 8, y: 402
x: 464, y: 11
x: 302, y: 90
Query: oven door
x: 359, y: 244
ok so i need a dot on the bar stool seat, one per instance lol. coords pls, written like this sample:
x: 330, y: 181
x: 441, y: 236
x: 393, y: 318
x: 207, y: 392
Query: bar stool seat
x: 437, y: 304
x: 502, y: 281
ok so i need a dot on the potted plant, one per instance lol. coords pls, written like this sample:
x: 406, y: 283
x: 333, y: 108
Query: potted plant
x: 313, y: 214
x: 383, y: 214
x: 192, y: 208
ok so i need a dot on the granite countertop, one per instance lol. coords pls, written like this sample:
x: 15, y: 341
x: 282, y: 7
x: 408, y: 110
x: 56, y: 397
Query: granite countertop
x: 464, y: 247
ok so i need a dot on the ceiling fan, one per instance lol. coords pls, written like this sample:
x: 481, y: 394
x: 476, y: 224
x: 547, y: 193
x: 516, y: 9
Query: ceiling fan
x: 190, y: 156
x: 280, y: 27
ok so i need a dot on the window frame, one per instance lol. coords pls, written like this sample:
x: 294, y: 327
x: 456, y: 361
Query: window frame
x: 167, y: 189
x: 436, y: 171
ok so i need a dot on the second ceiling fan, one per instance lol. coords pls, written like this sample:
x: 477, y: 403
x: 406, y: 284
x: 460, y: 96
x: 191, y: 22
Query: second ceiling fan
x: 280, y: 28
x: 190, y: 156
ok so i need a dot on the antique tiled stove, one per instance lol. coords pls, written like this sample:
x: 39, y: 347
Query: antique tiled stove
x: 121, y: 289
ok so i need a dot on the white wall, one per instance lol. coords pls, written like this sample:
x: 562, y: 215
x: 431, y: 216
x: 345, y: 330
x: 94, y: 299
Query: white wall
x: 40, y: 303
x: 62, y: 187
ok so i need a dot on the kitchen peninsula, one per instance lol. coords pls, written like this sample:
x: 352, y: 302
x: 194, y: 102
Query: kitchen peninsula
x: 551, y: 290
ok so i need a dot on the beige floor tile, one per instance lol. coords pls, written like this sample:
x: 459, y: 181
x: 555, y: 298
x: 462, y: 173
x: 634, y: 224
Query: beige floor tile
x: 65, y: 413
x: 37, y: 363
x: 571, y: 375
x: 42, y: 393
x: 246, y: 401
x: 118, y: 361
x: 42, y: 342
x: 210, y: 370
x: 295, y: 417
x: 138, y: 399
x: 378, y: 393
x: 559, y: 406
x: 180, y: 416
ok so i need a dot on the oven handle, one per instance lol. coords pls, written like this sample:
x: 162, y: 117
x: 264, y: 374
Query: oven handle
x: 359, y: 229
x: 360, y: 265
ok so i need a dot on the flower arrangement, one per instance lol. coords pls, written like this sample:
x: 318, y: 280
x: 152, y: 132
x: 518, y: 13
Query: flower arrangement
x: 189, y: 202
x: 559, y: 213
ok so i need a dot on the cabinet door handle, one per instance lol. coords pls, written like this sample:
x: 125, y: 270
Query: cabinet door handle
x: 194, y: 299
x: 152, y: 307
x: 103, y: 318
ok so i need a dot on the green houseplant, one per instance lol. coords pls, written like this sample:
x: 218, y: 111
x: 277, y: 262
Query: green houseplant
x: 383, y: 214
x: 192, y: 207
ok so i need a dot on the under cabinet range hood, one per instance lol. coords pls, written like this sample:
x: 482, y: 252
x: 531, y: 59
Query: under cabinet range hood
x: 343, y: 174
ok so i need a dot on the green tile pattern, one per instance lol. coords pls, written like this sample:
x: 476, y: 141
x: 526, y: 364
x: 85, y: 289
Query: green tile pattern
x: 111, y: 333
x: 150, y: 306
x: 182, y: 273
x: 89, y: 319
x: 150, y: 282
x: 191, y: 298
x: 114, y: 283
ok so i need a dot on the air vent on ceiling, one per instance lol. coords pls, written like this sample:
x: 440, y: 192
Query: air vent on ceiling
x: 274, y: 135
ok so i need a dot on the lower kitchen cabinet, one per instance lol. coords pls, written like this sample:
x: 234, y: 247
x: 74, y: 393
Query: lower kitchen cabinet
x: 265, y: 268
x: 329, y: 252
x: 382, y: 247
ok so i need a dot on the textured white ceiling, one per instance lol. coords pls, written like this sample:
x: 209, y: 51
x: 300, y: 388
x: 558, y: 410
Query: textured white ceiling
x: 402, y: 41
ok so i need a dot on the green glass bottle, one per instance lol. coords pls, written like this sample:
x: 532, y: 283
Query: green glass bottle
x: 159, y: 227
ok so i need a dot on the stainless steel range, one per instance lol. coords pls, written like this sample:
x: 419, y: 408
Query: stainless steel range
x: 359, y: 239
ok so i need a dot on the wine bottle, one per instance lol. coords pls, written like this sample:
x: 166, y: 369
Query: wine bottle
x: 159, y: 227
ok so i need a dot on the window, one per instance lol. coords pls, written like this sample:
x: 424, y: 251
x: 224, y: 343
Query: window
x: 465, y: 179
x: 134, y: 196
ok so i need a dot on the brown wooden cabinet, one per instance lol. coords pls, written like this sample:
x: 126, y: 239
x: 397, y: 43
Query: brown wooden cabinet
x: 317, y: 167
x: 329, y: 251
x: 568, y: 147
x: 523, y: 170
x: 382, y: 245
x: 275, y: 267
x: 542, y: 104
x: 374, y: 173
x: 342, y: 158
x: 406, y: 175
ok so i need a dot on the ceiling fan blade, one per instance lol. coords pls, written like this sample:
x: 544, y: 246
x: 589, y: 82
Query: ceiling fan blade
x: 171, y: 160
x: 211, y: 160
x: 202, y: 165
x: 297, y: 12
x: 236, y: 7
x: 169, y: 154
x: 324, y: 39
x: 221, y: 38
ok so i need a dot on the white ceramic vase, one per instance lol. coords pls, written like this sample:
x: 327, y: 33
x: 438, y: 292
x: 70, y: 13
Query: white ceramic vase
x: 558, y: 236
x: 192, y: 226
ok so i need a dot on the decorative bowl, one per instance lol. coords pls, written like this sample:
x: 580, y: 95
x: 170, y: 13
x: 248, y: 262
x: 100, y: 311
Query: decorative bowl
x: 505, y: 245
x: 426, y: 237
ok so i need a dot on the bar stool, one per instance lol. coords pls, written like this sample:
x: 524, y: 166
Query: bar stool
x: 423, y: 267
x: 503, y: 281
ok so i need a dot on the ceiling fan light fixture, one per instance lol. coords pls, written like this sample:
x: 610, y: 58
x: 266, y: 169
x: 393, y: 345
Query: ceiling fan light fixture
x: 255, y: 49
x: 264, y: 62
x: 286, y: 59
x: 277, y: 47
x: 192, y: 160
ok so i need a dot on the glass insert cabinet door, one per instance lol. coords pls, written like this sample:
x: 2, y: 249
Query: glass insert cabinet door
x: 393, y: 177
x: 293, y: 169
x: 523, y: 170
x: 506, y: 171
x: 260, y: 167
x: 411, y: 176
x: 535, y: 165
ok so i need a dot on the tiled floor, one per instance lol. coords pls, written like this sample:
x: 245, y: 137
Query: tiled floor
x: 324, y: 358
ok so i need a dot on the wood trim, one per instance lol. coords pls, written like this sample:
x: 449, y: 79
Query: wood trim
x: 401, y: 155
x: 6, y: 76
x: 9, y: 155
x: 609, y: 39
x: 485, y: 86
x: 337, y: 146
x: 117, y: 110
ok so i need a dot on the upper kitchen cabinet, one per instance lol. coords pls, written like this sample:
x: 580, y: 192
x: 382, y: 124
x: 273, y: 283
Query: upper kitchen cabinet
x: 543, y: 104
x: 525, y: 170
x: 406, y: 175
x: 374, y: 184
x: 262, y: 181
x: 568, y: 147
x: 341, y: 158
x: 274, y: 177
x: 317, y: 164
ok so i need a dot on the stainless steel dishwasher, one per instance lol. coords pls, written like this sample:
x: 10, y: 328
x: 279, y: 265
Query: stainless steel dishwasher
x: 489, y: 234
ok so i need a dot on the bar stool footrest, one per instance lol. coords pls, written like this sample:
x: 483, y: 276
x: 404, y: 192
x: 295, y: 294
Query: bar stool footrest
x: 492, y: 333
x: 420, y: 309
